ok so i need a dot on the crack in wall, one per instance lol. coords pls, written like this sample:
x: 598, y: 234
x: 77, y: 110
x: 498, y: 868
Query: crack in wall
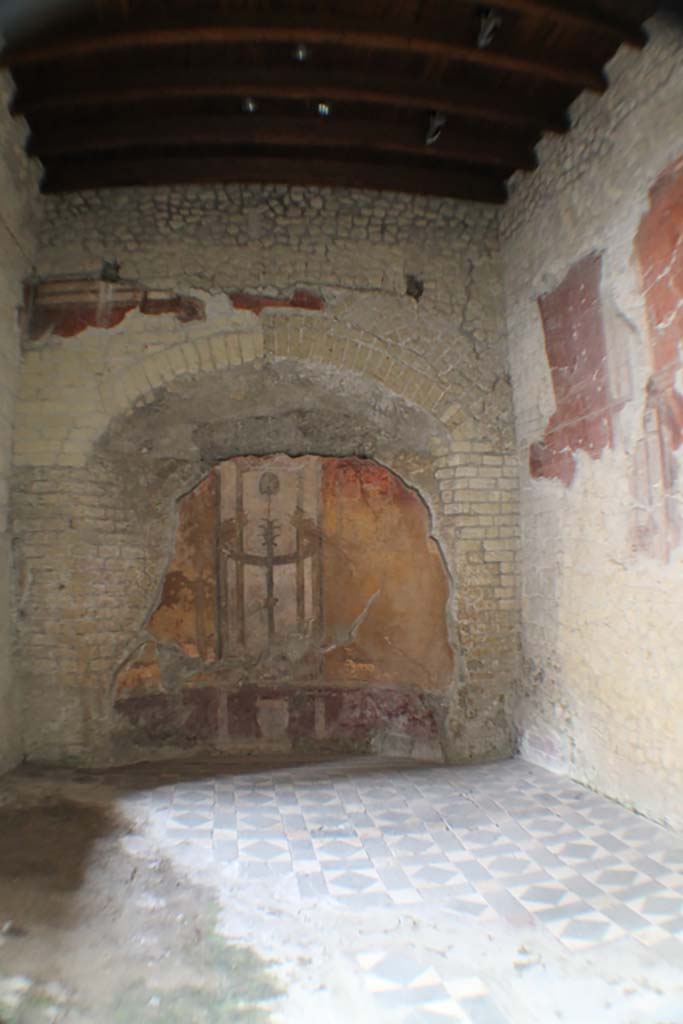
x: 352, y: 631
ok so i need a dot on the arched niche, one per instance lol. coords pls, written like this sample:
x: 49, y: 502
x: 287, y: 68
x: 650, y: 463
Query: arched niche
x: 160, y: 456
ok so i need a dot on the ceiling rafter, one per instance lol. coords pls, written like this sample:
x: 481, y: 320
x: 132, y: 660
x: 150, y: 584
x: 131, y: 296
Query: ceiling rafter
x: 519, y: 112
x: 75, y: 174
x: 297, y: 30
x: 217, y: 130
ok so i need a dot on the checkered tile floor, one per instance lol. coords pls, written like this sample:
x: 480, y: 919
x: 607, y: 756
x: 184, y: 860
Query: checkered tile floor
x: 506, y: 842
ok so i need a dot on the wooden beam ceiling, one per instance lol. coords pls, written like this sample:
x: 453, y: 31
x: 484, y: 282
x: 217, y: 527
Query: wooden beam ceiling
x: 377, y: 38
x: 307, y: 132
x: 175, y: 91
x: 121, y: 90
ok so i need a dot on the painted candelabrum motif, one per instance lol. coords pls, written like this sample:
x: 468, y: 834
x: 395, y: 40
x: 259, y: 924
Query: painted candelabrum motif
x: 269, y: 557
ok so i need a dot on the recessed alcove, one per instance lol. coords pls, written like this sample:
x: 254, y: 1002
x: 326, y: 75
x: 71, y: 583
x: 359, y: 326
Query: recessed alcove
x: 299, y: 600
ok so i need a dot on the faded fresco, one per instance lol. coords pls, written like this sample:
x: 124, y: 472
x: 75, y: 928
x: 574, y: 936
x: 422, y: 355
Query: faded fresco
x: 577, y: 356
x: 64, y: 307
x: 659, y: 246
x: 304, y: 604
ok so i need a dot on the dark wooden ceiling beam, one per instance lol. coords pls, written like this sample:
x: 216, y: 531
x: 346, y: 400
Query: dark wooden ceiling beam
x: 363, y: 36
x: 78, y: 174
x: 578, y: 17
x: 310, y: 132
x: 87, y: 91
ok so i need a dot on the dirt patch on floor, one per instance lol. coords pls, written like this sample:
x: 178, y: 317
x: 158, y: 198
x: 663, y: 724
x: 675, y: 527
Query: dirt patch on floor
x: 90, y: 934
x: 48, y: 844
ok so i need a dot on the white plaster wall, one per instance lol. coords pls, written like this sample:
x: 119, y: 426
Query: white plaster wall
x: 602, y: 625
x: 17, y: 191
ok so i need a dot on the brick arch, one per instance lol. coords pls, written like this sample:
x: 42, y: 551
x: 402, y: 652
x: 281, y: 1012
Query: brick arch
x: 87, y: 394
x: 303, y: 339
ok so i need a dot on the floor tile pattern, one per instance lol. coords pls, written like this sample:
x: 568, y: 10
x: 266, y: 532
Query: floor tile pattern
x: 499, y: 841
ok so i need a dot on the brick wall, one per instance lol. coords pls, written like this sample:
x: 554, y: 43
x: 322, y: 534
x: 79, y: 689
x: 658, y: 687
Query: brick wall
x: 17, y: 189
x: 115, y: 423
x: 598, y: 436
x: 478, y: 489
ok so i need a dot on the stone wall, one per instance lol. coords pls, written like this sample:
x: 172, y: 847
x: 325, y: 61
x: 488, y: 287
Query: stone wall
x: 17, y: 189
x: 594, y: 286
x: 254, y: 321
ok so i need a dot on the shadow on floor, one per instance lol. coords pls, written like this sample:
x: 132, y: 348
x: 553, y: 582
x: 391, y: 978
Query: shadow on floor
x: 48, y: 844
x: 90, y: 934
